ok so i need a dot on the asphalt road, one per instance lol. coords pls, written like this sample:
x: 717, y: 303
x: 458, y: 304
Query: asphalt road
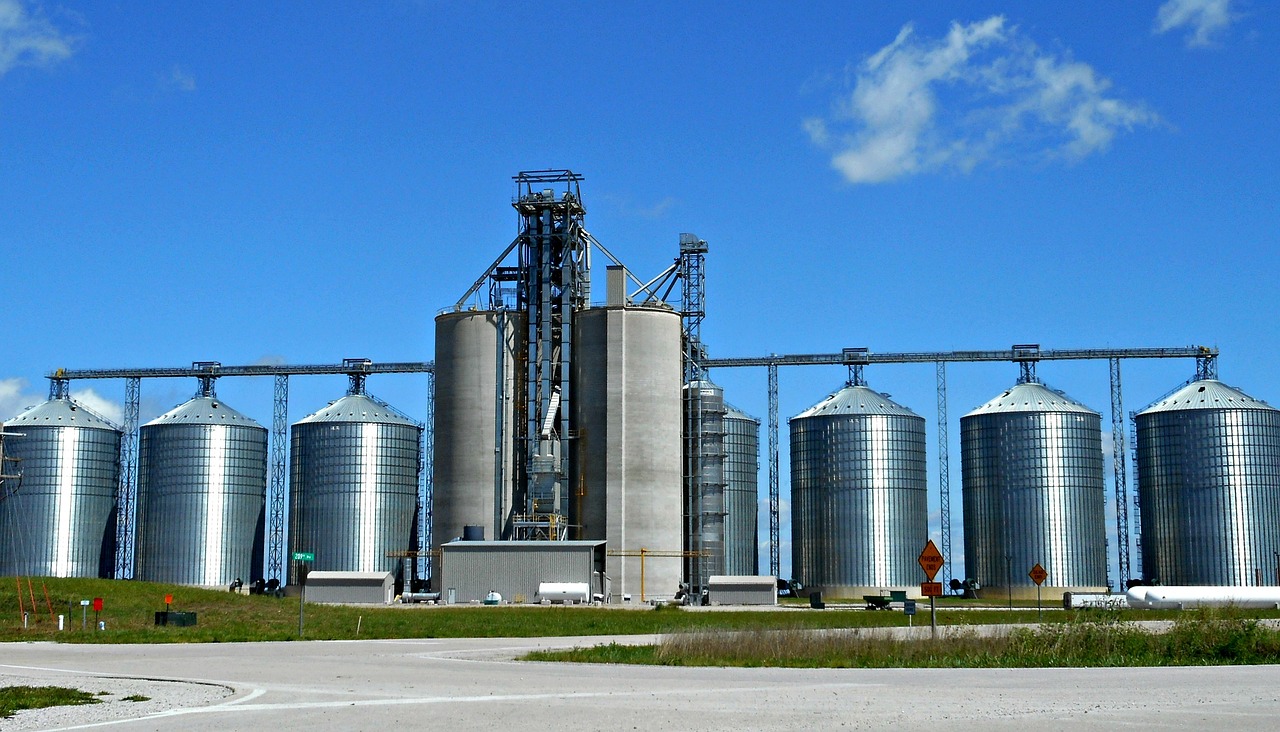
x: 473, y: 684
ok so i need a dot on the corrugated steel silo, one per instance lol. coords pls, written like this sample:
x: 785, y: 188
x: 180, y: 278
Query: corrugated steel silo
x: 859, y: 515
x: 704, y: 456
x: 626, y: 488
x: 202, y: 487
x: 741, y: 496
x: 57, y: 523
x: 1033, y: 493
x: 354, y: 469
x: 1209, y: 487
x: 473, y: 456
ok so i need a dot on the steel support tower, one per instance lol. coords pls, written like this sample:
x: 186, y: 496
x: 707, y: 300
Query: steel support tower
x: 944, y: 472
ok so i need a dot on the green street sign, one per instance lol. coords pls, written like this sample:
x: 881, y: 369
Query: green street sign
x: 304, y: 556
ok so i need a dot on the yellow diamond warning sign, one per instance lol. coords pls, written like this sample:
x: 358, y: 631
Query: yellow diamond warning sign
x: 1038, y: 574
x: 930, y: 560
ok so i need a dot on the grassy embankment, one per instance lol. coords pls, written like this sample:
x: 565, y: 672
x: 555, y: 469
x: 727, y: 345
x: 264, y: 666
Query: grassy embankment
x: 1208, y: 637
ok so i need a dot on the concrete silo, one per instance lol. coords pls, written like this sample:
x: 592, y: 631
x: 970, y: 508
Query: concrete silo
x: 58, y: 524
x: 353, y: 484
x: 1033, y: 493
x: 626, y: 485
x: 859, y: 514
x: 475, y: 405
x: 1209, y: 487
x: 202, y: 485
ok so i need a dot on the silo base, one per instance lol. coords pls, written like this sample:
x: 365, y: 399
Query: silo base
x: 1024, y: 593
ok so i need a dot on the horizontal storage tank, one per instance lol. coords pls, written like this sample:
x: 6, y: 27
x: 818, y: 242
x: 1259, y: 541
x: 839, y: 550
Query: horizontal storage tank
x: 202, y: 488
x: 627, y: 415
x: 1033, y: 494
x: 859, y: 514
x: 59, y: 521
x: 1209, y: 487
x: 354, y: 471
x: 475, y: 426
x: 741, y: 493
x: 704, y: 456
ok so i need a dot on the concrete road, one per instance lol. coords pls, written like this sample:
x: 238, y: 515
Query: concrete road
x: 474, y: 684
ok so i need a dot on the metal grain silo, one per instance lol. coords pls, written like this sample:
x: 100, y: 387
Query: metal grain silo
x: 202, y: 487
x: 1033, y: 493
x: 626, y: 487
x: 353, y: 485
x: 741, y: 492
x: 58, y: 523
x: 1209, y: 487
x: 473, y: 450
x: 859, y: 515
x: 704, y: 506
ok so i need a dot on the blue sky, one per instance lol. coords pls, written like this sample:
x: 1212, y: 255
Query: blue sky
x: 303, y: 182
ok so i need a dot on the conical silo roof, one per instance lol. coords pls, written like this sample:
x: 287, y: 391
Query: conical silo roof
x: 61, y: 412
x: 203, y: 410
x: 732, y: 412
x: 855, y: 400
x: 1031, y: 397
x: 357, y: 408
x: 1206, y: 394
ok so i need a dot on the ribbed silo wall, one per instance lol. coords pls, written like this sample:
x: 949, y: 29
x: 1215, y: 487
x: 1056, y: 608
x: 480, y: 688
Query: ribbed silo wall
x: 741, y: 496
x: 473, y: 454
x: 627, y: 456
x: 704, y: 456
x: 1209, y: 492
x: 353, y: 492
x: 859, y: 515
x: 56, y: 523
x: 201, y: 495
x: 1034, y: 494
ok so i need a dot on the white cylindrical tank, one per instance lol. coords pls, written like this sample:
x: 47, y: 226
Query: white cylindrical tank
x: 1193, y: 596
x: 626, y: 487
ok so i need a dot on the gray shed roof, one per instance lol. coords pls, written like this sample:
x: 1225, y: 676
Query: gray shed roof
x: 855, y: 400
x: 1031, y: 397
x: 1207, y: 394
x: 356, y: 408
x: 59, y: 413
x: 203, y: 410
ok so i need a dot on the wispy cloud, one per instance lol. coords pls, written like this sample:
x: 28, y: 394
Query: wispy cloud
x: 982, y: 93
x: 16, y: 396
x: 628, y: 206
x: 1204, y: 19
x: 28, y: 39
x: 180, y: 79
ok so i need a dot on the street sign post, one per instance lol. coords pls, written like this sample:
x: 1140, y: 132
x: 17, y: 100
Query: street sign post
x: 931, y: 561
x: 1038, y: 575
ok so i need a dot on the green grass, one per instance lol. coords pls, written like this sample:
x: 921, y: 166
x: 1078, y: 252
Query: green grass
x: 16, y: 698
x: 1197, y: 638
x: 130, y: 607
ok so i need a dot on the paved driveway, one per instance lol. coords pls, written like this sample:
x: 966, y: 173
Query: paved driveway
x: 473, y: 684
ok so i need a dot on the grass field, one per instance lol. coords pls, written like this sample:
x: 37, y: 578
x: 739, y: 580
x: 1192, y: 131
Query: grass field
x: 1197, y: 638
x: 129, y: 609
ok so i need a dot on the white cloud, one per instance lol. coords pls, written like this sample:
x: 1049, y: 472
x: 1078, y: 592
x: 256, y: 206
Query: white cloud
x: 16, y: 397
x: 112, y: 410
x: 180, y: 79
x: 983, y: 93
x: 1205, y: 19
x: 29, y: 40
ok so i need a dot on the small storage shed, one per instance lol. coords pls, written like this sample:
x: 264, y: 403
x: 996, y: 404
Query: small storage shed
x: 742, y: 589
x: 469, y: 570
x: 370, y: 588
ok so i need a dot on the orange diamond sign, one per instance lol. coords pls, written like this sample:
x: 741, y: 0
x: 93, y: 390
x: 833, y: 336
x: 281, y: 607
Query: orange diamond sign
x: 1038, y: 574
x: 931, y: 560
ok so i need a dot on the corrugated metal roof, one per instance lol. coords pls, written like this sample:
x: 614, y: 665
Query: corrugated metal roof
x: 203, y: 410
x: 356, y: 408
x: 855, y: 400
x: 1031, y: 397
x: 1207, y: 394
x: 732, y: 412
x: 60, y: 412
